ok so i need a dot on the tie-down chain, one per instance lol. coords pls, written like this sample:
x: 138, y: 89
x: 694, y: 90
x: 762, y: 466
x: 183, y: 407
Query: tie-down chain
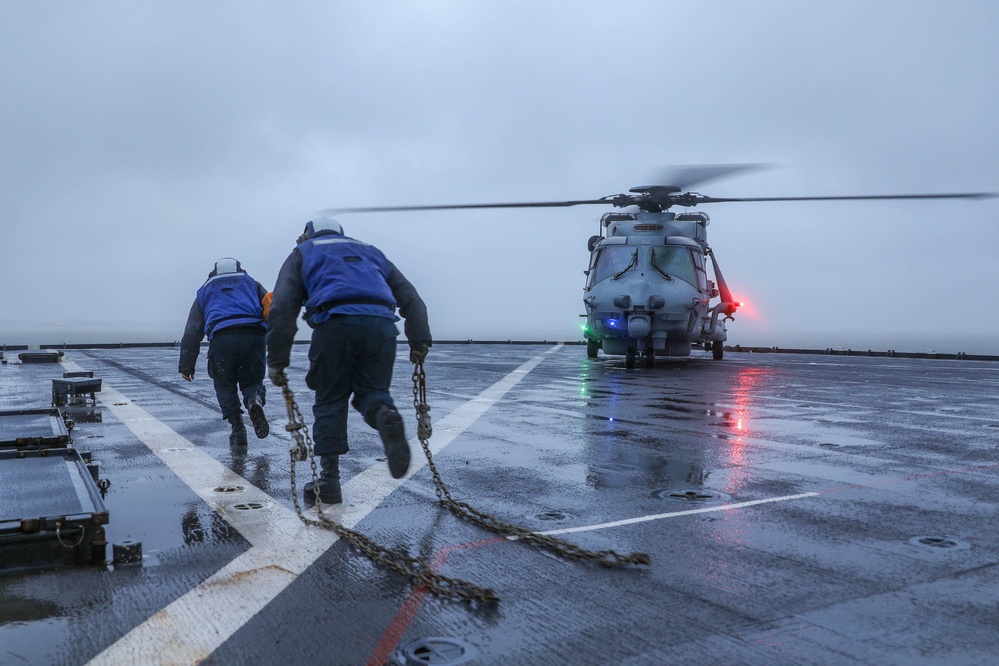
x: 414, y: 567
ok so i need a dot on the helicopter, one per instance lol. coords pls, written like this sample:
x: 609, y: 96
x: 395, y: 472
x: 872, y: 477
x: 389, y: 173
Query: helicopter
x: 647, y: 291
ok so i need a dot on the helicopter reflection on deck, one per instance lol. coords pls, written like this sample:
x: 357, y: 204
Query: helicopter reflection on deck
x: 679, y: 456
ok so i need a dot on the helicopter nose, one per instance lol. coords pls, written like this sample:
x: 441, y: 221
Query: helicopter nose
x: 639, y: 326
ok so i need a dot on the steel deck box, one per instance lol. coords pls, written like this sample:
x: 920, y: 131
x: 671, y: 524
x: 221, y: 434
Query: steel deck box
x: 51, y: 511
x: 65, y: 390
x: 39, y: 357
x: 33, y: 429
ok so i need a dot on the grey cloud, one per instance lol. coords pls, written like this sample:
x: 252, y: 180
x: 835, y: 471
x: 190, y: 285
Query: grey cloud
x: 148, y: 139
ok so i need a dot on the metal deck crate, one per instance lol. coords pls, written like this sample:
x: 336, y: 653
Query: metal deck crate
x: 51, y: 512
x: 39, y: 357
x: 68, y: 389
x: 33, y: 429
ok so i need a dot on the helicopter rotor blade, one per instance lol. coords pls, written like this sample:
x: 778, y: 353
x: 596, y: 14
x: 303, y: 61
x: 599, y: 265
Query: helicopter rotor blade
x: 697, y: 199
x: 532, y: 204
x: 649, y: 199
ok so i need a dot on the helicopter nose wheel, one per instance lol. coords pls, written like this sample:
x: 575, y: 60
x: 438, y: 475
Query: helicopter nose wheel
x: 650, y: 358
x: 629, y: 358
x: 591, y: 348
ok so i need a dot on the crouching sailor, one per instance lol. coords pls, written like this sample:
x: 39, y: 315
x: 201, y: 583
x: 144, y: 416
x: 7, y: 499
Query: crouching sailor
x: 350, y: 292
x: 229, y: 309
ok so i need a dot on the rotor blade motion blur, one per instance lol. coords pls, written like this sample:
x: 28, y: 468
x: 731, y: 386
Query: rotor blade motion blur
x: 685, y: 177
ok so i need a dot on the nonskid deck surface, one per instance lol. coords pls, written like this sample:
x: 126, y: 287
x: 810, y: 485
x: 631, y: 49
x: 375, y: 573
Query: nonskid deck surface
x: 797, y: 509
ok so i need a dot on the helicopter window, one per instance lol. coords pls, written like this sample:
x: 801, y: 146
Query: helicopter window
x: 591, y: 274
x: 611, y: 261
x: 702, y: 276
x: 675, y: 261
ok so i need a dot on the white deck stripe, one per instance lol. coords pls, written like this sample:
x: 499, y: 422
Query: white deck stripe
x: 690, y: 512
x: 190, y: 628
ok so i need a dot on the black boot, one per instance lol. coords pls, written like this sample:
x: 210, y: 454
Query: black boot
x: 329, y: 481
x: 393, y: 434
x: 238, y: 435
x: 258, y: 418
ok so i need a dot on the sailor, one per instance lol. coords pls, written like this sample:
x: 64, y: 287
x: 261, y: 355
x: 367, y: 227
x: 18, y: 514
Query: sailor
x: 230, y: 310
x: 350, y: 292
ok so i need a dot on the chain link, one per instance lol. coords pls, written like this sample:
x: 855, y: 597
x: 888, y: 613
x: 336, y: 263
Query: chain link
x: 606, y: 558
x: 414, y: 568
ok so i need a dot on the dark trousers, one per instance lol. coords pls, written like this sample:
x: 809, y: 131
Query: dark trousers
x: 350, y: 354
x: 237, y: 361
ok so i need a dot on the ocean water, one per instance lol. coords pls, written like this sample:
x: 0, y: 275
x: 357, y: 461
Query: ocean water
x: 942, y: 343
x: 35, y: 335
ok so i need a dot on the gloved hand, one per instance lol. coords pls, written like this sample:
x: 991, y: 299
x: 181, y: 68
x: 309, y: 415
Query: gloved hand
x: 276, y: 375
x: 188, y: 377
x: 418, y: 354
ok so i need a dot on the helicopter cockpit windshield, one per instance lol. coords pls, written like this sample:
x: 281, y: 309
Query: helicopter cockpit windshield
x: 674, y: 261
x: 611, y: 261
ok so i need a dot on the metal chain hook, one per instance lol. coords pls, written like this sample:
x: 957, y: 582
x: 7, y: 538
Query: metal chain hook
x: 424, y: 428
x: 299, y: 451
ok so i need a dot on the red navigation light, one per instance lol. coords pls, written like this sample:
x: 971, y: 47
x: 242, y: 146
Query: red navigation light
x: 745, y: 308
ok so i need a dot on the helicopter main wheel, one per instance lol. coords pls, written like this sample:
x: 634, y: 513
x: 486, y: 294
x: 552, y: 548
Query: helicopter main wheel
x: 591, y: 348
x: 717, y: 351
x: 650, y: 358
x: 629, y: 358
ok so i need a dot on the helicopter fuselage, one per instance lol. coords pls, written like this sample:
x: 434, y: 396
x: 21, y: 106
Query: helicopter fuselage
x: 647, y: 290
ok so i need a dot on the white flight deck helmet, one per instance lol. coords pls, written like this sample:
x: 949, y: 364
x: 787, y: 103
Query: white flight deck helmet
x: 319, y: 223
x: 226, y: 265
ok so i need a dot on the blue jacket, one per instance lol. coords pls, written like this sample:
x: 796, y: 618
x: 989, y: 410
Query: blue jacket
x: 215, y: 299
x: 301, y: 282
x: 230, y: 299
x: 342, y: 275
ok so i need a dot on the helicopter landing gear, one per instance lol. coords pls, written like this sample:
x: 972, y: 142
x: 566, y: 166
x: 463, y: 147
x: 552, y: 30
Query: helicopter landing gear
x: 717, y: 351
x: 591, y: 348
x: 650, y: 358
x: 629, y: 358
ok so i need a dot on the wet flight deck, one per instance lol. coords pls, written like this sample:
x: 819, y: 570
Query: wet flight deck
x: 797, y: 509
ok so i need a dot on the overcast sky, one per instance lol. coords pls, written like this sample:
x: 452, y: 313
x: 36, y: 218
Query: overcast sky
x: 141, y: 141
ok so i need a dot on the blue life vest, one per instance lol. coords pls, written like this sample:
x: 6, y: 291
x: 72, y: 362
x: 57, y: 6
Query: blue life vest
x: 344, y: 276
x: 230, y: 299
